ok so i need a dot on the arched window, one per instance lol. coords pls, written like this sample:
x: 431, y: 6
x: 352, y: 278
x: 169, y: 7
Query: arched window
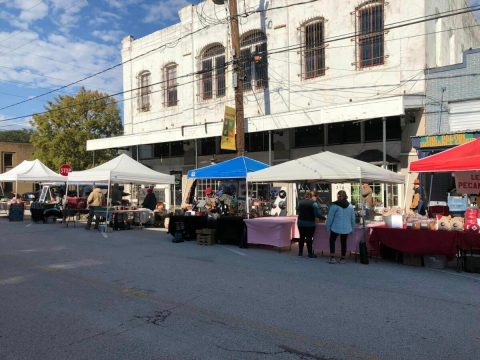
x: 213, y: 72
x: 143, y: 97
x: 253, y: 53
x: 170, y: 84
x: 370, y: 33
x: 313, y: 49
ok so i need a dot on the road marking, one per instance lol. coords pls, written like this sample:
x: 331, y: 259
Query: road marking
x: 74, y: 264
x: 58, y: 248
x: 13, y: 280
x: 234, y: 251
x: 28, y: 225
x: 104, y: 235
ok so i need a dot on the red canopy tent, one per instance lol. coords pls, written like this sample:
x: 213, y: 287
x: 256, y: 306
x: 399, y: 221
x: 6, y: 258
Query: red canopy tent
x: 464, y: 157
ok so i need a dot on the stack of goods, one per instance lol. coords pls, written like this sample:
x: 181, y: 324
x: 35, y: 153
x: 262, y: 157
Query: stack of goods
x: 418, y: 222
x: 448, y: 223
x: 471, y: 220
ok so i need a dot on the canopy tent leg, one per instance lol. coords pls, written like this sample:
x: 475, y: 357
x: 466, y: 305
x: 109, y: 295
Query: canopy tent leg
x: 430, y: 191
x: 247, y: 204
x: 405, y: 192
x: 174, y: 198
x: 108, y: 198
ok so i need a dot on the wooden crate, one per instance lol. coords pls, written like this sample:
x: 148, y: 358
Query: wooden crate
x: 206, y: 236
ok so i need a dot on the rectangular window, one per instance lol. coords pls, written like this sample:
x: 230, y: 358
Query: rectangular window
x: 220, y: 75
x: 261, y: 66
x: 374, y: 129
x: 257, y: 141
x: 7, y: 159
x: 207, y: 80
x: 314, y: 54
x: 144, y: 92
x: 208, y: 146
x: 161, y: 150
x: 176, y: 148
x: 246, y: 56
x: 309, y: 136
x: 171, y: 89
x: 371, y: 35
x: 344, y: 133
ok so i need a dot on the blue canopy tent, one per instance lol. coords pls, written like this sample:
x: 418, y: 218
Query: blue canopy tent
x: 236, y: 168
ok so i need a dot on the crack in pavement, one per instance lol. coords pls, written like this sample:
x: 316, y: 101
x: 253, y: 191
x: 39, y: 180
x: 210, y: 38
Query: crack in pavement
x: 158, y: 318
x: 303, y: 355
x: 251, y: 351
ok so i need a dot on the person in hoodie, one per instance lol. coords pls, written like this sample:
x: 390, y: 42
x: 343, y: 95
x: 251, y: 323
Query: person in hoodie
x: 307, y: 211
x: 340, y: 221
x: 95, y: 200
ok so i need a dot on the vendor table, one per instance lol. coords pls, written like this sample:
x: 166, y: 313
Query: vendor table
x: 189, y: 224
x: 321, y: 238
x: 230, y: 230
x: 416, y: 242
x: 275, y: 231
x: 4, y: 206
x: 137, y: 216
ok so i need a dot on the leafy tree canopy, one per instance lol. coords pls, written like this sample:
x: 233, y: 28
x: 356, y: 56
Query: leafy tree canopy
x: 60, y: 134
x: 21, y: 136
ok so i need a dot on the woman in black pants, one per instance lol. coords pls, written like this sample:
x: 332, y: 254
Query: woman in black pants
x: 340, y: 221
x: 307, y: 211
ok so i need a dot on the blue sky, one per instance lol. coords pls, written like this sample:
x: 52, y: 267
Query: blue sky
x: 45, y: 44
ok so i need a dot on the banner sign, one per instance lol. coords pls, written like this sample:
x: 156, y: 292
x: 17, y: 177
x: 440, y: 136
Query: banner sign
x: 228, y: 133
x: 468, y: 182
x: 433, y: 141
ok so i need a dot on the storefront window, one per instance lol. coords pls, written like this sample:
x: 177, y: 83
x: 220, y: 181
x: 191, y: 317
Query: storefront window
x: 344, y: 133
x: 309, y: 136
x: 374, y: 129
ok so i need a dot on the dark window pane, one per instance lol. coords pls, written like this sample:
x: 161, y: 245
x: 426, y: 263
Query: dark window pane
x: 374, y: 129
x: 257, y: 141
x: 220, y: 73
x: 176, y: 148
x: 171, y: 85
x: 261, y: 66
x: 208, y: 146
x: 246, y: 56
x: 161, y: 150
x: 309, y: 136
x: 207, y: 84
x: 344, y: 133
x: 7, y: 159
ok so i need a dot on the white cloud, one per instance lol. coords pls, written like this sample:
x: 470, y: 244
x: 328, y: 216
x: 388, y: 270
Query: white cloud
x: 114, y: 36
x: 58, y: 60
x: 68, y: 11
x: 122, y: 5
x: 162, y: 11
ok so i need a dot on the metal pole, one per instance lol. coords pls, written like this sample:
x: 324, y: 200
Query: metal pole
x: 238, y: 71
x: 196, y: 154
x: 93, y: 154
x: 270, y: 147
x: 247, y: 204
x: 405, y: 191
x: 384, y: 160
x: 430, y: 191
x: 108, y: 196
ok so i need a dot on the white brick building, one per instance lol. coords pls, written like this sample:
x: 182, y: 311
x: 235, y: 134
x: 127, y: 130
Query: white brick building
x: 334, y: 69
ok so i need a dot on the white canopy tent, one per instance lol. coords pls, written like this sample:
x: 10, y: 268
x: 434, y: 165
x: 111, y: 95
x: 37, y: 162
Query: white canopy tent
x: 122, y: 169
x: 31, y: 171
x: 326, y: 167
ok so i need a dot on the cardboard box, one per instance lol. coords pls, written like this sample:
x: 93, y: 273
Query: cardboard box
x: 393, y: 221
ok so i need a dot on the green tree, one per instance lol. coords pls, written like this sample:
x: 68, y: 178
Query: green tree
x: 21, y: 136
x: 61, y: 133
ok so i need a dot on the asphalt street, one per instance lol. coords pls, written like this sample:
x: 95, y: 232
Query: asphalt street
x: 68, y: 293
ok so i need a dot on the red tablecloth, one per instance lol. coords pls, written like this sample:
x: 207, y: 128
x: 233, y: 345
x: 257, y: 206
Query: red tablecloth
x: 423, y: 242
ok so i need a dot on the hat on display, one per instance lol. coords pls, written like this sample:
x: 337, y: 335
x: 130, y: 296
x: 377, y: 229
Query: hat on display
x: 208, y: 191
x: 416, y: 182
x: 282, y: 204
x: 282, y: 194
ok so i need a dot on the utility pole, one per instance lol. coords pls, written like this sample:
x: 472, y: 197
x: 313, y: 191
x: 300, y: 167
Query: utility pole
x: 237, y: 75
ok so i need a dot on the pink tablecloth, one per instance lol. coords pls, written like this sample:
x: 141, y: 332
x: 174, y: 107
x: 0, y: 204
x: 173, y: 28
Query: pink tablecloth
x: 276, y: 231
x: 321, y: 239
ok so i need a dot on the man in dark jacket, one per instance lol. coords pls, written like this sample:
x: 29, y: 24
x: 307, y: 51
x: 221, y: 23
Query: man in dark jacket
x: 307, y: 211
x: 150, y: 201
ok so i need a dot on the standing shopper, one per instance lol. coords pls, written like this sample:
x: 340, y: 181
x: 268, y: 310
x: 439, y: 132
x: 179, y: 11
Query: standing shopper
x: 150, y: 201
x: 95, y: 200
x: 340, y: 221
x: 307, y: 211
x: 367, y: 200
